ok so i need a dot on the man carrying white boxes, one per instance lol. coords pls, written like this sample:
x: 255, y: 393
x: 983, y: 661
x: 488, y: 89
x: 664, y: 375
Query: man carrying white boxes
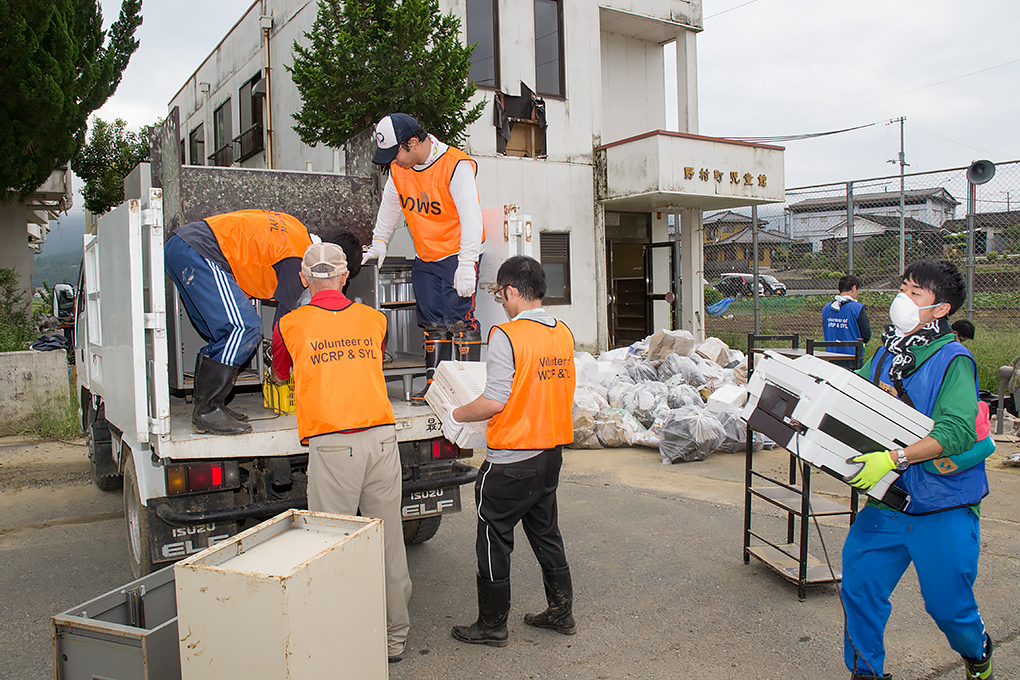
x: 529, y: 390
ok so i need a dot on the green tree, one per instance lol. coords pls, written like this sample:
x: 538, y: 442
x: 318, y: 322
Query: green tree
x: 368, y: 58
x: 106, y: 159
x: 57, y: 66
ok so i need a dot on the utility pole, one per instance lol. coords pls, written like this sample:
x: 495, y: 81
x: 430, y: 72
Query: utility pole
x: 903, y: 164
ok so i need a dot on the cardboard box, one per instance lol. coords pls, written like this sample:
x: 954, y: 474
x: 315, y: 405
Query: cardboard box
x: 670, y: 342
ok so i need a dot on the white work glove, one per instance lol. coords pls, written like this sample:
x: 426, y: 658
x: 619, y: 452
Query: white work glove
x: 464, y: 279
x: 376, y: 250
x: 451, y: 426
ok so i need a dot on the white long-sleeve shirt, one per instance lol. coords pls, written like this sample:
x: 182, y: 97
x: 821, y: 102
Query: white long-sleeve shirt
x: 464, y: 192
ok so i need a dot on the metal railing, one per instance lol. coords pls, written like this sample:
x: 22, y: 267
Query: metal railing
x: 249, y: 143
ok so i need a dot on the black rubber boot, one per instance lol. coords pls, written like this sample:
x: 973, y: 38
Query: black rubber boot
x: 981, y: 670
x: 468, y: 345
x: 493, y: 610
x: 213, y: 382
x: 230, y: 412
x: 559, y: 593
x: 438, y: 347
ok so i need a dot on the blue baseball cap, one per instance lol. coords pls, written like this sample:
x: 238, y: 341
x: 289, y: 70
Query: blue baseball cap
x: 391, y: 131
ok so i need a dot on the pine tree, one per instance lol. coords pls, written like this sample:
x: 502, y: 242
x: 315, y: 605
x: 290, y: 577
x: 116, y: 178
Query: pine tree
x: 57, y: 66
x: 368, y: 58
x: 106, y: 159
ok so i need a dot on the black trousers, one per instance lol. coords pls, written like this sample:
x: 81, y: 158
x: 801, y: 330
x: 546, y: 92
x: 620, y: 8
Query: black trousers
x: 522, y: 492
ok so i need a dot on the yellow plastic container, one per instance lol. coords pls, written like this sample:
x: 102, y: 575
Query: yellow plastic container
x: 279, y: 398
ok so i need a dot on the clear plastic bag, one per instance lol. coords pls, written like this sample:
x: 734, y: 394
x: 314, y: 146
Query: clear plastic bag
x: 735, y: 429
x: 617, y: 428
x: 585, y: 436
x: 640, y: 371
x: 685, y: 367
x: 647, y: 399
x: 689, y: 434
x: 683, y: 395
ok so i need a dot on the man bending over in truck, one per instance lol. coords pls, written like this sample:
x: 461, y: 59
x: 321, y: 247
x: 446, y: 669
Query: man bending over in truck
x: 344, y: 415
x: 217, y: 264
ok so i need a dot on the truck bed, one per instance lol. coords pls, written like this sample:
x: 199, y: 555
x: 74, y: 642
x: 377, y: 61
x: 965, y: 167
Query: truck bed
x: 276, y: 435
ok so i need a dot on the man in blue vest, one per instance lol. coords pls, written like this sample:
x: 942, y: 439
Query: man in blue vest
x: 921, y: 362
x: 845, y: 319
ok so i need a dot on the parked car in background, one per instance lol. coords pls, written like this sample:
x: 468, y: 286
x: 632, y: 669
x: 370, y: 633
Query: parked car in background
x: 772, y: 285
x: 735, y: 285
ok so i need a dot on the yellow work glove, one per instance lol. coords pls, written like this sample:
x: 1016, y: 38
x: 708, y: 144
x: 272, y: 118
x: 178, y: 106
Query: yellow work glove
x: 874, y: 467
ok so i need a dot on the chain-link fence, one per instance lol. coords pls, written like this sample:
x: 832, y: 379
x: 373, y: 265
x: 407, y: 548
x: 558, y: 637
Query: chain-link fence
x: 807, y: 243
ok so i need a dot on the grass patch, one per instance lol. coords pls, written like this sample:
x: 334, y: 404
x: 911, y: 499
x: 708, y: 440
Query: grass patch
x: 56, y: 420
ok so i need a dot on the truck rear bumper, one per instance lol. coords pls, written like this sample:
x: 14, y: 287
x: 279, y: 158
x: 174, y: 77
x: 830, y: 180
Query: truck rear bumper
x: 456, y: 475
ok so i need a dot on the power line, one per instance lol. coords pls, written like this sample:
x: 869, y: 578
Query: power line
x: 750, y: 2
x: 794, y: 138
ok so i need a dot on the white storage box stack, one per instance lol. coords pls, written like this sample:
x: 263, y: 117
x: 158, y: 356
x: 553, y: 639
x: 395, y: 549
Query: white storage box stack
x: 457, y: 383
x: 300, y: 596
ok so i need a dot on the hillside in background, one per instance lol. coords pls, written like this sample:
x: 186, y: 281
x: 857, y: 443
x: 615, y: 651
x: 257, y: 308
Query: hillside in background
x: 61, y: 254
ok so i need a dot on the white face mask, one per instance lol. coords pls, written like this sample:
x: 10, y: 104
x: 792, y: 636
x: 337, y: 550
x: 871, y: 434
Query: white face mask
x: 905, y: 315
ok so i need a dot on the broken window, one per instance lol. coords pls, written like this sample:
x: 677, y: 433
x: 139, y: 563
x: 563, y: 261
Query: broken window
x: 520, y: 124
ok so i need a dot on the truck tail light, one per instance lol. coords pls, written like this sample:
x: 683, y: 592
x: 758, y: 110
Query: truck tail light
x: 444, y: 449
x: 192, y: 477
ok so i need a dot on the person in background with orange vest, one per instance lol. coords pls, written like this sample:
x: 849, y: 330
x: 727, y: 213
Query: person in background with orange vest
x: 217, y: 264
x: 529, y: 390
x: 433, y: 186
x: 344, y: 416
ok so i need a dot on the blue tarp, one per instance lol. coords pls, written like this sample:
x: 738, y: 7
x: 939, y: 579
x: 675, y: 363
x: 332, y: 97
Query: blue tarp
x: 719, y: 308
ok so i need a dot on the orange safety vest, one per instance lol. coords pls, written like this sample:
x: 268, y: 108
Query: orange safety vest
x: 338, y: 377
x: 428, y: 206
x: 252, y: 241
x: 538, y: 413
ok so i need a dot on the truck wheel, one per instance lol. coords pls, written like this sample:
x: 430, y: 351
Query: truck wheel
x: 420, y: 530
x: 137, y: 520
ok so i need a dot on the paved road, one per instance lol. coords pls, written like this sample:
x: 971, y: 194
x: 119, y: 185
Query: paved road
x: 662, y: 591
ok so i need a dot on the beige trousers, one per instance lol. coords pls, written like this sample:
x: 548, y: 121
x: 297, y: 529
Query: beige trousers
x: 359, y: 473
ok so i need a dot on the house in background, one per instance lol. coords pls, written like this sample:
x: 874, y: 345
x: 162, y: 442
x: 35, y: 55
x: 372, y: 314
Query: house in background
x: 573, y: 134
x: 724, y: 224
x: 815, y: 219
x: 993, y: 231
x: 924, y: 240
x: 735, y: 253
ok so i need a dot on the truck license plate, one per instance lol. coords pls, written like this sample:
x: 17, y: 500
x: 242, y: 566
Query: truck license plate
x: 430, y: 503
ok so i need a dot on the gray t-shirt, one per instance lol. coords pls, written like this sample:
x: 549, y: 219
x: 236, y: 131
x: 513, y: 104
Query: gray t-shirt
x: 499, y: 368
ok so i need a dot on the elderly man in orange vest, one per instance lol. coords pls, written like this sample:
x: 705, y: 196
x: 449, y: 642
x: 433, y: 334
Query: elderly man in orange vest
x: 217, y: 264
x: 432, y: 185
x: 529, y: 390
x: 344, y: 416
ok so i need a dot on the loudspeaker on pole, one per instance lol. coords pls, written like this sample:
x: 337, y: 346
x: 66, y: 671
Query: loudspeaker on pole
x: 980, y: 172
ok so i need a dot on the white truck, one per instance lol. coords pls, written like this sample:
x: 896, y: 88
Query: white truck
x: 183, y: 491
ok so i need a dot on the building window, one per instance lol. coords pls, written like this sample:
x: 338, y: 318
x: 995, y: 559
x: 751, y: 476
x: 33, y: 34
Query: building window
x: 483, y: 33
x: 196, y: 146
x: 549, y: 47
x: 555, y: 249
x: 249, y: 104
x: 223, y: 140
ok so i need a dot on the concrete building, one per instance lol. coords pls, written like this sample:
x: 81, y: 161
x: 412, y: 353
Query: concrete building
x: 598, y: 173
x: 25, y: 223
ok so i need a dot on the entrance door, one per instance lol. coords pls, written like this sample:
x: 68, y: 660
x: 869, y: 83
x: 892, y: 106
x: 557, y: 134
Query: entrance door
x: 628, y: 308
x: 661, y: 291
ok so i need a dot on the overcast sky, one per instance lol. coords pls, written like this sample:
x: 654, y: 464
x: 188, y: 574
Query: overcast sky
x: 765, y: 68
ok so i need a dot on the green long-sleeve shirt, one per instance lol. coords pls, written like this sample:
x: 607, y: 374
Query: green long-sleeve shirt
x: 956, y: 405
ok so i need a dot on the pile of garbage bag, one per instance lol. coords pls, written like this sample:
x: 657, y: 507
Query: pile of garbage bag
x: 658, y: 393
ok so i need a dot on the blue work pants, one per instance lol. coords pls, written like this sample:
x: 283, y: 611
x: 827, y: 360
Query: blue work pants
x: 881, y: 544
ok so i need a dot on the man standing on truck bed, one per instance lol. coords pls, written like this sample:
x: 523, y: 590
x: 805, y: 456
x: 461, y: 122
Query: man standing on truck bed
x: 344, y: 415
x: 529, y: 391
x: 433, y: 185
x: 217, y: 264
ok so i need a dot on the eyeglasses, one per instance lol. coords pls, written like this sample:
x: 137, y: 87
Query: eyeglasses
x: 498, y: 295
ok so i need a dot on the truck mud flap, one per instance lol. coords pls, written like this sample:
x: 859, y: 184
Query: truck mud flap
x: 172, y: 541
